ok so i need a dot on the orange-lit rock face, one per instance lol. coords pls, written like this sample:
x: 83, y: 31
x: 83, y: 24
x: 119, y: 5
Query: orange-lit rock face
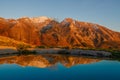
x: 73, y: 33
x: 43, y: 61
x: 69, y: 32
x: 23, y: 29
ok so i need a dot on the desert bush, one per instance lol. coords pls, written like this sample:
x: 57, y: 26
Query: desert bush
x: 41, y: 47
x: 21, y: 48
x: 63, y: 52
x: 116, y: 54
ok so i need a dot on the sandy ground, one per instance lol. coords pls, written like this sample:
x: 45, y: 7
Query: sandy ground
x: 10, y: 50
x: 7, y: 49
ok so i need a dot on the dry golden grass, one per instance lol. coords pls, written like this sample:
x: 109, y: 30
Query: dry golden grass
x: 8, y: 42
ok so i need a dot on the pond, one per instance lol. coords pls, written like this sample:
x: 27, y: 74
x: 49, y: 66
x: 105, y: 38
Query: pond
x: 57, y: 67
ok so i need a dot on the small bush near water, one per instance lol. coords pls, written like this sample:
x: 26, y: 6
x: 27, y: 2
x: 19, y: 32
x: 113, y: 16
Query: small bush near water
x: 63, y: 52
x: 116, y: 54
x: 23, y: 49
x: 41, y: 47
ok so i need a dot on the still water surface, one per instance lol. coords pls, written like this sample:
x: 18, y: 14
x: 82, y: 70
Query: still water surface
x: 57, y: 67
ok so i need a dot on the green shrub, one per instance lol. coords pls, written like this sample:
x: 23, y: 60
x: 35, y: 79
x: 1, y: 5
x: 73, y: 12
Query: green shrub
x: 63, y: 52
x: 66, y: 47
x: 116, y: 54
x: 41, y: 47
x: 23, y: 49
x: 27, y: 52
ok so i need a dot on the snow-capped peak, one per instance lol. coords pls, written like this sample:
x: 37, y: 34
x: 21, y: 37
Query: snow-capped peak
x: 67, y: 21
x: 39, y: 19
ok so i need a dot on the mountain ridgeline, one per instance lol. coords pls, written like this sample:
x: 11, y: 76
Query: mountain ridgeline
x: 44, y: 31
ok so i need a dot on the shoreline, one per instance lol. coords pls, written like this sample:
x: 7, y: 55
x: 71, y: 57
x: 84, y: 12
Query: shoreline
x: 4, y: 50
x: 7, y: 50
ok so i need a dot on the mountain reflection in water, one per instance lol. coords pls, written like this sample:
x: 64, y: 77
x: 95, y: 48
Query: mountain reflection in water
x: 46, y: 60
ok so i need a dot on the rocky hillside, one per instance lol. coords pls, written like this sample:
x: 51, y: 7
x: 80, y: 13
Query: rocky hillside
x: 73, y: 33
x: 68, y: 33
x: 23, y: 29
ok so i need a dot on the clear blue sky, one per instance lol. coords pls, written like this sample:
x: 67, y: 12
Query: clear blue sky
x: 104, y: 12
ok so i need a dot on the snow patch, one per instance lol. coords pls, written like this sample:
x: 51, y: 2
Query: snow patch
x: 65, y: 22
x: 74, y: 22
x: 95, y: 26
x: 39, y: 19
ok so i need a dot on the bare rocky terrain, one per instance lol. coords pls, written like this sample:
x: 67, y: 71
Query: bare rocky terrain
x: 44, y: 31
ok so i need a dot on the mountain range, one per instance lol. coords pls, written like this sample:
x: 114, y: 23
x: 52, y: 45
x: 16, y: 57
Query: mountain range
x: 44, y: 31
